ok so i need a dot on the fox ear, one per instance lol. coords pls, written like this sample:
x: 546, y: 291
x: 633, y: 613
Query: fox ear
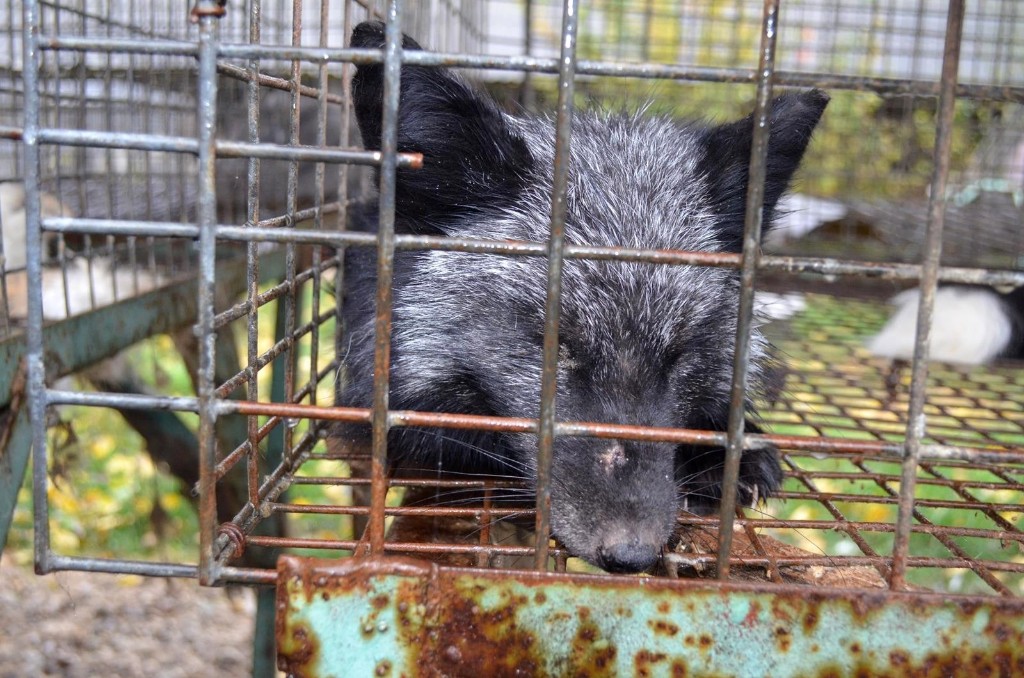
x: 726, y: 161
x: 471, y: 157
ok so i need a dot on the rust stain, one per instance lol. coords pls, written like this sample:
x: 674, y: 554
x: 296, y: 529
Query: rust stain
x: 645, y: 660
x: 662, y: 627
x: 750, y: 621
x: 899, y: 659
x: 467, y: 640
x: 298, y: 651
x: 591, y: 654
x: 810, y: 621
x: 783, y: 638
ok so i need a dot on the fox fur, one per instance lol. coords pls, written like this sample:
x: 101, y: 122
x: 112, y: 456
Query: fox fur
x: 640, y: 343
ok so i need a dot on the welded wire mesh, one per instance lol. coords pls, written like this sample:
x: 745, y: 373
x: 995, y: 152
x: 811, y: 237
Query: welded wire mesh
x: 129, y: 107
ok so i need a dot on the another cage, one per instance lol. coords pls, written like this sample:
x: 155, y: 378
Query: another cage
x: 197, y: 167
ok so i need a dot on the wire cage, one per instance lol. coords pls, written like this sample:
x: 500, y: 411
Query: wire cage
x: 194, y: 173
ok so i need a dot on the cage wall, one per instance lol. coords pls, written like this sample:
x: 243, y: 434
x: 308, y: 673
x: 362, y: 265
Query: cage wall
x: 197, y: 179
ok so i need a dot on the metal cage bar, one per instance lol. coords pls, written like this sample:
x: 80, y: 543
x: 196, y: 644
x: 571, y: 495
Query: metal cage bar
x: 206, y: 13
x: 385, y: 271
x: 916, y: 423
x: 751, y: 248
x: 556, y: 246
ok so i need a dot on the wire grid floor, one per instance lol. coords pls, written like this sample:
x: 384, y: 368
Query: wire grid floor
x: 836, y: 511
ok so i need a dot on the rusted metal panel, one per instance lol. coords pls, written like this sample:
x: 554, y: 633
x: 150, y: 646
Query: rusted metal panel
x: 401, y: 617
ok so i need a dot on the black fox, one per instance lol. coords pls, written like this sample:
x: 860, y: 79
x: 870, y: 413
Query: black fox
x: 641, y: 343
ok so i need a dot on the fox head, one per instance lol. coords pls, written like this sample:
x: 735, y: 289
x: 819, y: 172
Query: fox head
x: 640, y: 343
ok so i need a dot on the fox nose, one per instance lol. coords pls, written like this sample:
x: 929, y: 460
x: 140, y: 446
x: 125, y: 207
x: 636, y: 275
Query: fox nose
x: 627, y: 557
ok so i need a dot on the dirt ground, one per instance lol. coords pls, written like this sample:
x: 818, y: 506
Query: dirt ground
x: 77, y: 624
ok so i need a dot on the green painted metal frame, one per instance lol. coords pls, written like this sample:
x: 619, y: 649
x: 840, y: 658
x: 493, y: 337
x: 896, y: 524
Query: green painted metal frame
x: 401, y: 617
x: 109, y: 329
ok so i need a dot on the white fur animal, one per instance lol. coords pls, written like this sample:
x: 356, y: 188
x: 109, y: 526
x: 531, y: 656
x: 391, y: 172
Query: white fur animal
x: 971, y: 326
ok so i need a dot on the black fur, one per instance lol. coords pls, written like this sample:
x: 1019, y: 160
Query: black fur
x: 640, y: 343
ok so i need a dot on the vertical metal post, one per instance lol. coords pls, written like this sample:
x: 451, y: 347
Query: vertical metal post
x: 751, y: 255
x: 318, y: 197
x: 206, y: 13
x: 552, y: 309
x: 527, y: 93
x: 916, y: 424
x: 385, y: 271
x: 290, y: 299
x: 343, y: 173
x: 252, y: 253
x: 33, y: 260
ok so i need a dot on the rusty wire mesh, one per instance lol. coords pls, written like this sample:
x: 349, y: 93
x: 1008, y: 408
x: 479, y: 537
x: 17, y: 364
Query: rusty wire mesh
x: 836, y: 509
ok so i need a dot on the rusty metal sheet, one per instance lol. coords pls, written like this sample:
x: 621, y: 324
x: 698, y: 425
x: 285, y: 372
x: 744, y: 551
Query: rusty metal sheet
x: 401, y: 617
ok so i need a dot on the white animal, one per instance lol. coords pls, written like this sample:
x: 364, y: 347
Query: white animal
x: 971, y: 326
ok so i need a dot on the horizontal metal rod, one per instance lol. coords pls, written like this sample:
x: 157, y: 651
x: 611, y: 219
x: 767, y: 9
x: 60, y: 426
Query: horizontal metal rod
x: 119, y: 45
x: 423, y: 511
x: 782, y: 264
x: 843, y: 525
x: 521, y: 425
x: 317, y: 55
x: 845, y: 561
x: 617, y: 431
x: 149, y: 569
x: 123, y: 401
x: 477, y: 510
x: 224, y: 149
x: 264, y: 151
x: 395, y: 547
x: 432, y: 483
x: 234, y: 575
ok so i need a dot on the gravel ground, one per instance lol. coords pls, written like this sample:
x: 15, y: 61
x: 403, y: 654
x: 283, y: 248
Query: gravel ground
x: 77, y: 624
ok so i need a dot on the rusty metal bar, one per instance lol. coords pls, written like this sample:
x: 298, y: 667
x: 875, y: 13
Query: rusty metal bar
x: 751, y: 251
x: 385, y: 272
x: 624, y: 431
x: 252, y: 253
x: 271, y: 82
x: 916, y: 423
x: 552, y: 308
x: 319, y: 199
x: 433, y: 511
x: 397, y: 547
x: 206, y: 213
x: 291, y: 299
x: 783, y: 264
x: 244, y: 308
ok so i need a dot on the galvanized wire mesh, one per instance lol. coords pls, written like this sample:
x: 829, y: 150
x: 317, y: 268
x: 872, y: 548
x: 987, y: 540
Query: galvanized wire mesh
x: 179, y: 148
